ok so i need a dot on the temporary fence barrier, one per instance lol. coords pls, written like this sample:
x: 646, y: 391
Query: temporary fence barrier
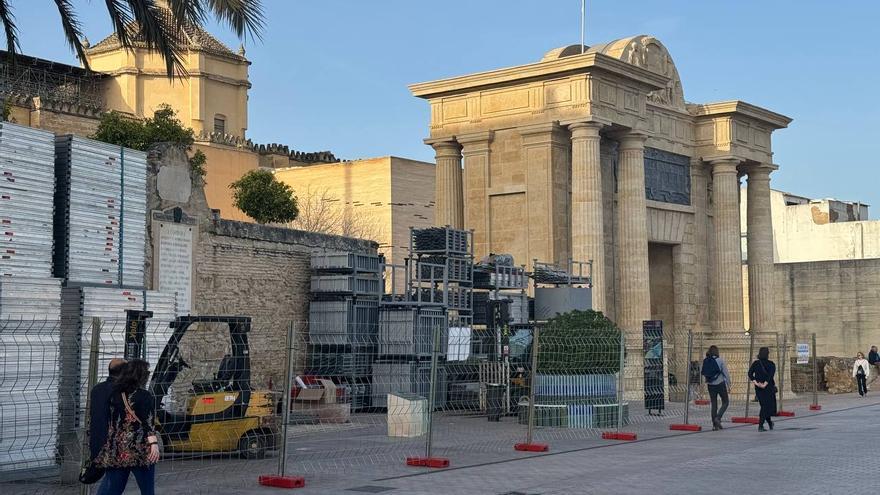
x: 284, y: 412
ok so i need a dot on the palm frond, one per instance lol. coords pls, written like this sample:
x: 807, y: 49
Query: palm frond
x: 245, y: 17
x: 9, y: 28
x: 159, y: 36
x: 72, y: 29
x: 188, y: 11
x: 121, y: 19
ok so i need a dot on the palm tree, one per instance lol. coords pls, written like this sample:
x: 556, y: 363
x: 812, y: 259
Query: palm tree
x: 142, y: 22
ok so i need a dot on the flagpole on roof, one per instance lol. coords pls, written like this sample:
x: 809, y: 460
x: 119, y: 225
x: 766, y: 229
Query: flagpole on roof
x: 583, y: 22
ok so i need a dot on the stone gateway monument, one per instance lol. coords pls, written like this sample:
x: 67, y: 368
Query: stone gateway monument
x: 593, y: 154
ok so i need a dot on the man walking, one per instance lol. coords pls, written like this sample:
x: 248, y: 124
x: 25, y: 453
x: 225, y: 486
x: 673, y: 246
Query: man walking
x: 718, y: 380
x: 874, y: 361
x: 99, y: 417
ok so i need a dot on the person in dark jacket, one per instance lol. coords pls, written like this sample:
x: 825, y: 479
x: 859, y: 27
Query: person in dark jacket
x: 874, y: 361
x: 129, y: 392
x: 99, y: 412
x: 761, y: 374
x: 719, y: 386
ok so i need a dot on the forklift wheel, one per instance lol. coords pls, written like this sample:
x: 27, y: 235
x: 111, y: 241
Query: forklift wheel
x: 252, y: 446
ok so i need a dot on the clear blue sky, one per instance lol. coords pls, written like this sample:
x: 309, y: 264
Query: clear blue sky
x: 333, y: 74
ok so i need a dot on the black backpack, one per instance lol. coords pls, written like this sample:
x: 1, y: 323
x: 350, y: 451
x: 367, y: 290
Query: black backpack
x: 710, y: 370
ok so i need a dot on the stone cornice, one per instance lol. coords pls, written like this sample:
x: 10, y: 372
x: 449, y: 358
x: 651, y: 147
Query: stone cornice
x: 236, y: 59
x: 566, y: 65
x: 738, y: 107
x: 130, y: 70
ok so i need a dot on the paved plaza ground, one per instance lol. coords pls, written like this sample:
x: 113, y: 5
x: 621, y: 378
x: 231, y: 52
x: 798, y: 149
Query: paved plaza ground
x: 815, y: 452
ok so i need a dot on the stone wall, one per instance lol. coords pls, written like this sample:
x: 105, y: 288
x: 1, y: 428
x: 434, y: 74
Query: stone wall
x: 64, y: 119
x: 839, y: 301
x: 261, y: 272
x: 241, y: 268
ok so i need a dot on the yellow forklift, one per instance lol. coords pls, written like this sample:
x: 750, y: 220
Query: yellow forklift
x: 222, y: 414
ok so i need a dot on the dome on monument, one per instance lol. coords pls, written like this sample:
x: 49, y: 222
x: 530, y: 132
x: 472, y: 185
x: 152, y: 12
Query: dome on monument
x: 564, y: 51
x: 642, y: 51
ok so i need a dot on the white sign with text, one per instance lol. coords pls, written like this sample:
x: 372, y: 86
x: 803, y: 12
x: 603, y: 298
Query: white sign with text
x: 176, y: 263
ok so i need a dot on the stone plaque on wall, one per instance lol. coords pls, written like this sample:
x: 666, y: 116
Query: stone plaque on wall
x: 667, y: 177
x: 174, y: 257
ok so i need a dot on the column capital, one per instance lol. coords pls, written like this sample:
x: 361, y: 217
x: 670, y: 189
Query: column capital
x: 585, y: 129
x: 761, y: 170
x: 631, y: 140
x: 444, y: 146
x: 724, y: 165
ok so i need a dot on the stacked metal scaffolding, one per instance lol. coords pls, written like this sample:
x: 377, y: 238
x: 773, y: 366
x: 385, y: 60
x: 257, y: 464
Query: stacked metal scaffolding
x: 415, y: 325
x: 79, y: 305
x: 27, y: 184
x: 343, y: 320
x: 30, y: 300
x: 500, y: 309
x: 100, y: 222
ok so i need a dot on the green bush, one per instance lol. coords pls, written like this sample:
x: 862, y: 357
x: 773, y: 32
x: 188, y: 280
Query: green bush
x: 197, y: 163
x: 164, y: 127
x: 260, y: 196
x: 139, y: 134
x: 579, y: 342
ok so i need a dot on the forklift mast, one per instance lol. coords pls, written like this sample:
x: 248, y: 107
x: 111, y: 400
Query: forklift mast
x: 235, y: 369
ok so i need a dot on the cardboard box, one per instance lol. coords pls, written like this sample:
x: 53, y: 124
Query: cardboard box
x: 329, y: 391
x: 325, y: 395
x: 310, y: 394
x: 325, y: 413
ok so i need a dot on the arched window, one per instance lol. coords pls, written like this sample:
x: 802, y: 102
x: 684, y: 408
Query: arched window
x: 219, y: 123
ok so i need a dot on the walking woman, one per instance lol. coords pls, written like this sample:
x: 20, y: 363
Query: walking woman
x: 718, y: 381
x: 132, y: 445
x: 761, y: 374
x: 861, y: 370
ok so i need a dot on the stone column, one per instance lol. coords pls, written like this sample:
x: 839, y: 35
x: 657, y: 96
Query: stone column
x: 633, y: 296
x: 449, y: 202
x: 587, y: 207
x: 700, y: 202
x: 760, y: 249
x: 728, y: 314
x: 475, y: 154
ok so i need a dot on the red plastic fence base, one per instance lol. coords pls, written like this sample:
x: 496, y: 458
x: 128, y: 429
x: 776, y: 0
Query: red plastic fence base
x: 686, y: 427
x: 815, y: 407
x: 750, y: 420
x: 613, y: 435
x: 282, y: 481
x: 431, y: 462
x: 785, y: 414
x: 531, y: 447
x: 701, y: 402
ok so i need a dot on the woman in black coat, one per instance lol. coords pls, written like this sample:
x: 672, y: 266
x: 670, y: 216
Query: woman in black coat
x: 761, y: 374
